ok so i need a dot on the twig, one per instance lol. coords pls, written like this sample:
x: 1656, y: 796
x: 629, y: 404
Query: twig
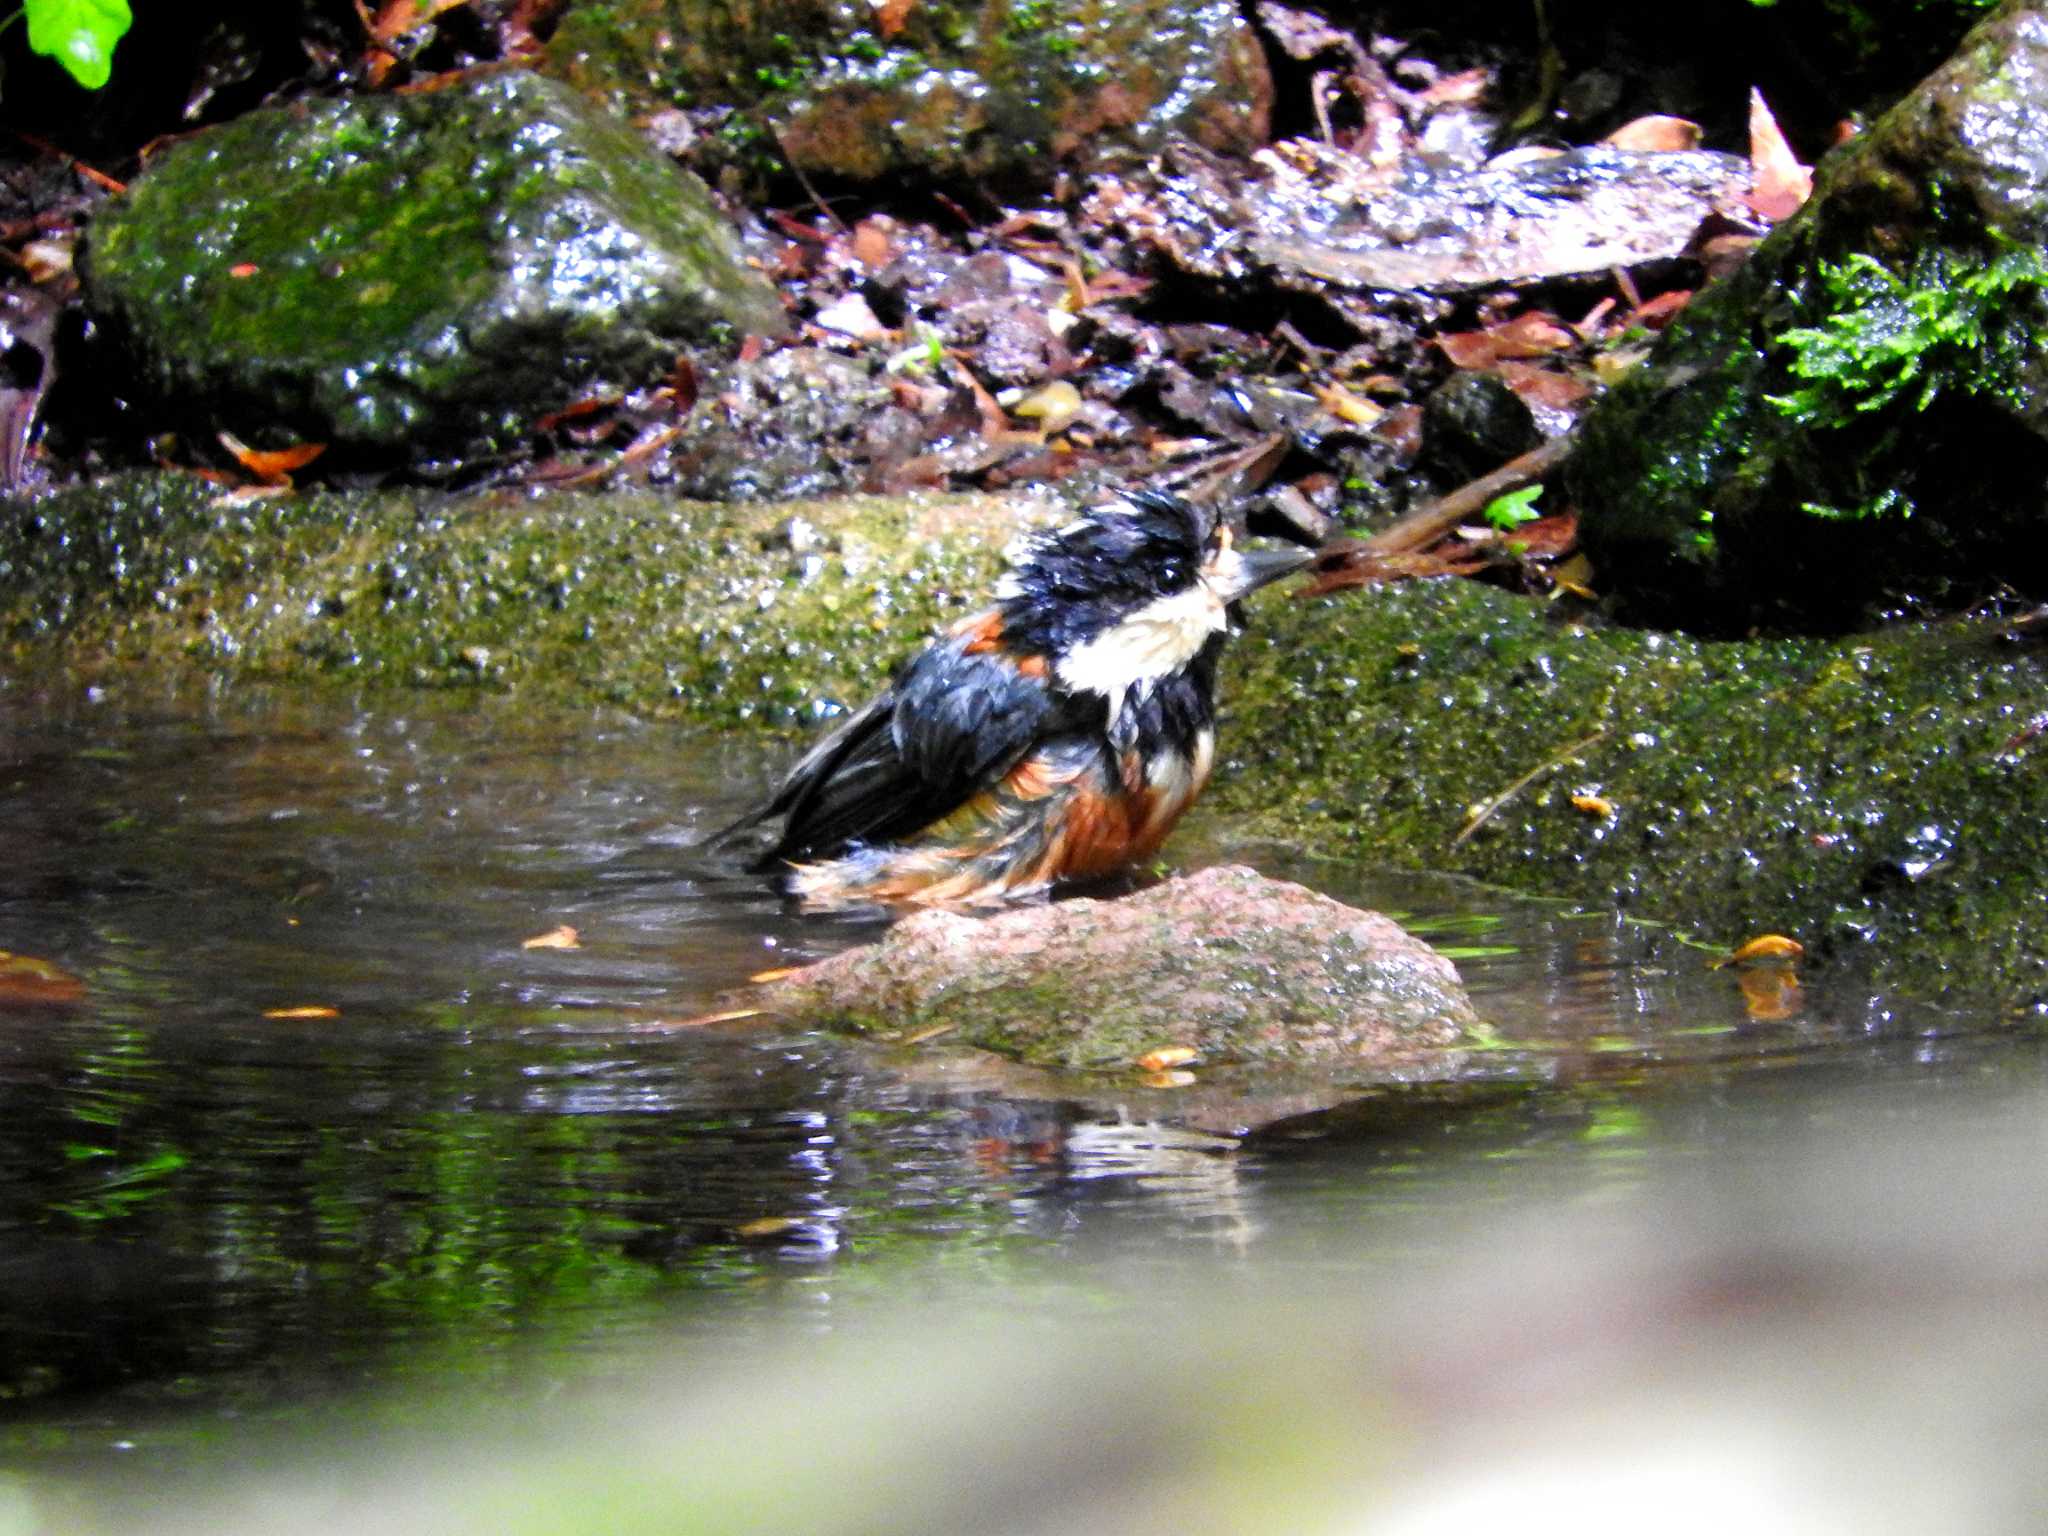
x: 1431, y: 521
x: 1484, y: 814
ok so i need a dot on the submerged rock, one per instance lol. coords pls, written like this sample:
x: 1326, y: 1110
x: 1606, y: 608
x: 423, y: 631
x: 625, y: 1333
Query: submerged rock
x: 1856, y: 418
x: 404, y: 271
x: 1220, y: 968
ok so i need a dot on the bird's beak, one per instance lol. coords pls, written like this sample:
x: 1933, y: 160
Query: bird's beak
x: 1254, y: 568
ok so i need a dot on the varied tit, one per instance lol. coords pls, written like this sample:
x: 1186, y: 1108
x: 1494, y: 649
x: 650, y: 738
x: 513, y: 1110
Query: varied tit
x: 1056, y: 736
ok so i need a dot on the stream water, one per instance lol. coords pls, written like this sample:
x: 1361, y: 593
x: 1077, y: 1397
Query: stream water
x: 489, y: 1163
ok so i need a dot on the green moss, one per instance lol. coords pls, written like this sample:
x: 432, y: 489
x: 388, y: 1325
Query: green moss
x: 475, y: 255
x: 1785, y: 785
x: 764, y: 614
x: 1892, y: 344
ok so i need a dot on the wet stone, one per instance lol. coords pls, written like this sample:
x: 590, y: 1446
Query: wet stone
x: 431, y: 269
x: 1220, y: 968
x: 1003, y: 93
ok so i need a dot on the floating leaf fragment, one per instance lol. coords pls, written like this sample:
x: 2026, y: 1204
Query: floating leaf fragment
x: 309, y: 1011
x: 563, y: 937
x: 1768, y: 946
x: 1593, y: 805
x: 1167, y: 1056
x: 767, y: 1226
x: 774, y: 973
x: 28, y: 981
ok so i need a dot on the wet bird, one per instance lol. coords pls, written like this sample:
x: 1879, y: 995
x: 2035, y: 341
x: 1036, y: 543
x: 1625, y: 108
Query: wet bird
x: 1056, y: 736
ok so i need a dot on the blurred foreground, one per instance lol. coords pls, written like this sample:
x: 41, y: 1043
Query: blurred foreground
x: 1834, y: 1329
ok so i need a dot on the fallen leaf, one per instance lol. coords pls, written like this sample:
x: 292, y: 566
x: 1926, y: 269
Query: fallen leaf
x: 1655, y: 134
x: 28, y: 981
x: 1052, y: 407
x: 767, y: 1226
x: 311, y: 1011
x: 851, y: 316
x: 1346, y: 406
x: 1782, y: 183
x: 1769, y: 946
x: 1167, y: 1056
x: 271, y: 466
x: 1543, y: 386
x: 395, y: 18
x: 563, y: 937
x: 872, y: 246
x: 891, y: 14
x: 1593, y: 805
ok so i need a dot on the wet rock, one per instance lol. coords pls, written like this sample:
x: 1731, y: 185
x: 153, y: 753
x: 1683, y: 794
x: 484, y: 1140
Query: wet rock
x: 1000, y: 93
x: 1473, y: 423
x: 1220, y: 968
x: 1855, y: 421
x: 417, y: 270
x: 1318, y: 220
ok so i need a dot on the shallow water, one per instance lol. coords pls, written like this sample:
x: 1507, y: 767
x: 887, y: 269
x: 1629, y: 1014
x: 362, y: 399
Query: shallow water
x: 494, y: 1163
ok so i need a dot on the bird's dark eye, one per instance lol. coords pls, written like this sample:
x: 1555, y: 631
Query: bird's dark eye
x: 1173, y: 573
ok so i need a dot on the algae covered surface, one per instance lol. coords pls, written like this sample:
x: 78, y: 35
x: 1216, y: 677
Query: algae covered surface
x: 777, y: 614
x: 1867, y: 797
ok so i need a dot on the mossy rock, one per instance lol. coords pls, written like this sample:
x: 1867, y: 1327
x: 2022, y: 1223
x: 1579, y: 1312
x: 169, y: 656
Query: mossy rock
x: 407, y: 273
x: 1846, y: 427
x: 999, y: 93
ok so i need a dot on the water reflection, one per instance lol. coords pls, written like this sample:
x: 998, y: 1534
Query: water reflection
x: 488, y: 1155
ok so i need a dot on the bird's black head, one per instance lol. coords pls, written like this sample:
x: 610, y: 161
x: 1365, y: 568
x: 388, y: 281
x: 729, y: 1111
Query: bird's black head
x: 1133, y: 591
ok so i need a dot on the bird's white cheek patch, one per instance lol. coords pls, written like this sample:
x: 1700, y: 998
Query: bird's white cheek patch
x: 1157, y: 641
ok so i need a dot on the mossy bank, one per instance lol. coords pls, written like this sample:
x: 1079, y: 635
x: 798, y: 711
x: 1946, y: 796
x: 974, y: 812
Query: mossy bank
x: 1879, y: 798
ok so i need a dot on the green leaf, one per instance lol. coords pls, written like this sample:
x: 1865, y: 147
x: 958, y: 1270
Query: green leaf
x: 79, y: 34
x: 1513, y: 509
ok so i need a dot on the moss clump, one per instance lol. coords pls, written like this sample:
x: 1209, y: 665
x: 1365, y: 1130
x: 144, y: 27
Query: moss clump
x: 414, y: 271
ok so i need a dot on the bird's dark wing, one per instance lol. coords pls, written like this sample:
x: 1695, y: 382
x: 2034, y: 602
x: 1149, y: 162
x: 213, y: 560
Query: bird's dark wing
x: 952, y: 723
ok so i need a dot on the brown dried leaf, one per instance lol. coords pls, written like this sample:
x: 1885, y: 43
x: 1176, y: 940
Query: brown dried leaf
x: 1655, y: 134
x: 271, y: 466
x: 1782, y: 183
x: 1768, y: 946
x: 395, y: 18
x: 563, y: 937
x: 890, y: 15
x: 872, y: 244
